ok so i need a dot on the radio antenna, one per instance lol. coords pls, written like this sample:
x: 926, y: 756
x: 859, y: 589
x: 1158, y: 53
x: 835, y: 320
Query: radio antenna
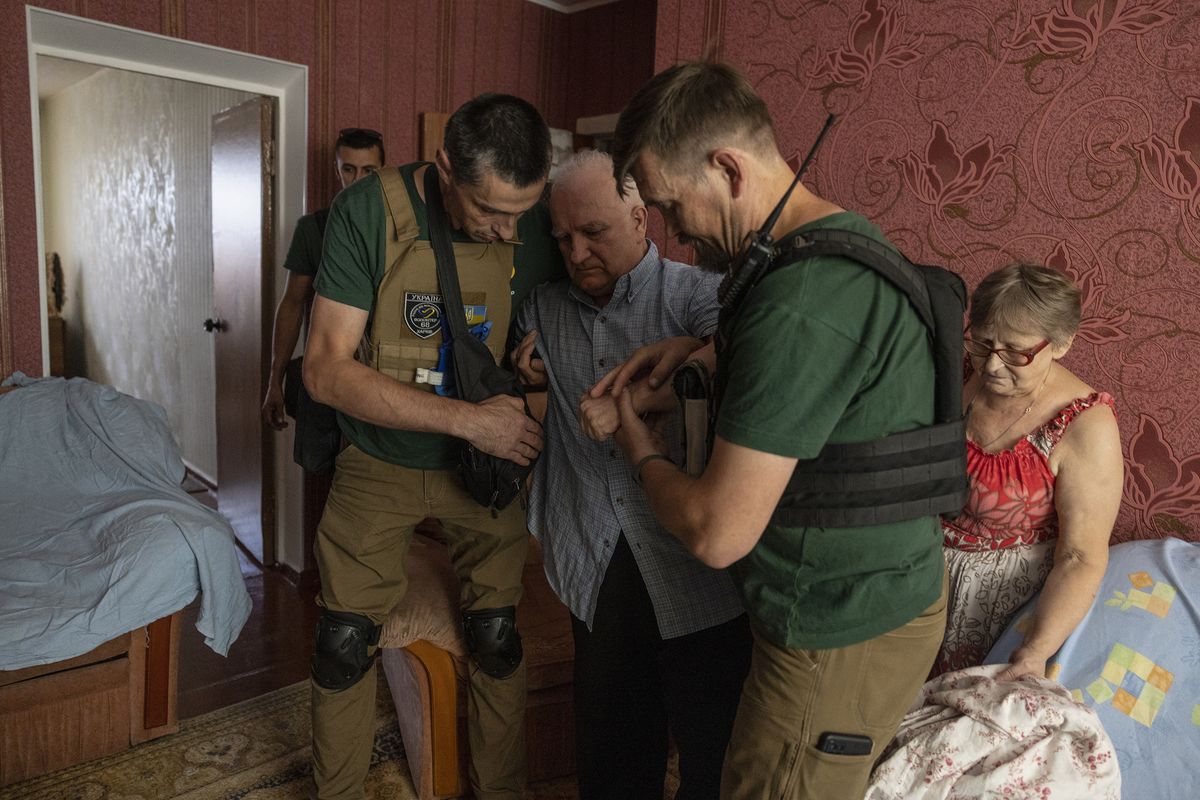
x: 758, y: 252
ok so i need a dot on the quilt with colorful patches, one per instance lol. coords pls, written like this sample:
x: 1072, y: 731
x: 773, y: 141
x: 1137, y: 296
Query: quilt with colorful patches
x: 1135, y: 660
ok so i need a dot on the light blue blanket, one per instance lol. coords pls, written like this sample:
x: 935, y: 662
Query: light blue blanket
x: 97, y: 538
x: 1135, y: 659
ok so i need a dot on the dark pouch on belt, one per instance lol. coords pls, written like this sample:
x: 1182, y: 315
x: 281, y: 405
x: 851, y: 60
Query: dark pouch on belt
x: 491, y: 481
x: 318, y: 437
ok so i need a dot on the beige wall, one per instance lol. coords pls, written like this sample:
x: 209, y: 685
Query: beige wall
x: 126, y: 176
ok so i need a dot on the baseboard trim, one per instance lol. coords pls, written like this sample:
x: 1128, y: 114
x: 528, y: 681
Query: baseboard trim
x: 304, y: 579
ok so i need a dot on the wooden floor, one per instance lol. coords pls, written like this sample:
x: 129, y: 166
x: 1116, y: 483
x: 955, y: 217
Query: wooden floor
x: 272, y: 651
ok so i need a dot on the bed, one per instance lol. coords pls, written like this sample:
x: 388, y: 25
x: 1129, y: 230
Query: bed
x: 1118, y: 716
x: 1134, y: 661
x: 100, y: 549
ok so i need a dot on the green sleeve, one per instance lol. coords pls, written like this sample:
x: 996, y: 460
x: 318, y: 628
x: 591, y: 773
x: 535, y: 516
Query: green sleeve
x: 537, y: 259
x: 790, y: 379
x: 304, y: 253
x: 352, y: 258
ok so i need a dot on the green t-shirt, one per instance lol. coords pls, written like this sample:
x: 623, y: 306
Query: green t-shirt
x: 828, y: 351
x: 304, y: 253
x: 352, y: 268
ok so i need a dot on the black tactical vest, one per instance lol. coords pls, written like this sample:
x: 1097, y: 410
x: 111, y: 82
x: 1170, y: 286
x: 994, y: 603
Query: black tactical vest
x: 906, y: 475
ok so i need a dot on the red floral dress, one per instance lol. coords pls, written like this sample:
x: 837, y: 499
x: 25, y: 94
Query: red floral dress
x: 1000, y: 548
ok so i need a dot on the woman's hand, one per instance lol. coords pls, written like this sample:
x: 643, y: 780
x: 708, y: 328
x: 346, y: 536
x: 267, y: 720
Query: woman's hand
x: 661, y: 358
x: 1024, y: 662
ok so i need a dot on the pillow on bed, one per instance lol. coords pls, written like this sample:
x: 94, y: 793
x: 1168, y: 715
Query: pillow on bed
x: 429, y: 609
x: 1135, y: 659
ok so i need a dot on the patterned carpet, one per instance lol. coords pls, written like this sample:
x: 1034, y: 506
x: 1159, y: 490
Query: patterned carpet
x: 256, y: 750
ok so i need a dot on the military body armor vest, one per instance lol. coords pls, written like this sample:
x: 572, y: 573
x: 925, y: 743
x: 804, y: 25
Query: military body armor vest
x: 906, y: 475
x: 405, y: 330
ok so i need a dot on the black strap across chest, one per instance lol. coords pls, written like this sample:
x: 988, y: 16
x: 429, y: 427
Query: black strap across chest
x: 906, y: 475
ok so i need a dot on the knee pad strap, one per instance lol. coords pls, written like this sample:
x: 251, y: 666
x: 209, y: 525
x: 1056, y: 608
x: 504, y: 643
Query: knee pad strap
x: 493, y: 640
x: 343, y: 639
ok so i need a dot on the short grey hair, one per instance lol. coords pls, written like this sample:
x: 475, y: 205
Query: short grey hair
x: 1022, y: 295
x: 570, y: 169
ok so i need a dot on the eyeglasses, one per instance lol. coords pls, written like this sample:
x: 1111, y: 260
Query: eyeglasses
x: 370, y: 134
x: 1014, y: 358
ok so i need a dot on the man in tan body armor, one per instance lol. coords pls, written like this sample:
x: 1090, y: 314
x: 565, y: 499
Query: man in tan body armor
x: 378, y: 297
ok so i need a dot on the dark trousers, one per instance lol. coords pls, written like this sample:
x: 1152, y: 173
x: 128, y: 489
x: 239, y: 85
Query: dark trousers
x: 631, y: 685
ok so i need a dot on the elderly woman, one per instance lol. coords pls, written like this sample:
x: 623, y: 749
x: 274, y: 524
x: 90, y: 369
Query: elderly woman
x: 1044, y: 458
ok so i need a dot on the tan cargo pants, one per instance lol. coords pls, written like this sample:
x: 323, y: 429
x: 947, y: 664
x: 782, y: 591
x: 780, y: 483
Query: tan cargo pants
x: 791, y: 697
x: 361, y: 546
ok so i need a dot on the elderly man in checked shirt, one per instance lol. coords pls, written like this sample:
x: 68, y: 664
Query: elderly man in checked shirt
x: 661, y: 640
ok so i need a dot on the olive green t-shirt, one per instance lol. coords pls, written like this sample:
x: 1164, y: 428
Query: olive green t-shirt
x: 826, y: 350
x: 352, y: 268
x: 304, y: 253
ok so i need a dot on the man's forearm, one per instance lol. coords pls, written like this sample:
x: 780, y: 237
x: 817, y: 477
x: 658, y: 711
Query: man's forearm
x: 286, y: 333
x: 646, y: 399
x: 691, y: 511
x: 719, y: 516
x: 660, y: 400
x: 673, y: 499
x: 359, y: 391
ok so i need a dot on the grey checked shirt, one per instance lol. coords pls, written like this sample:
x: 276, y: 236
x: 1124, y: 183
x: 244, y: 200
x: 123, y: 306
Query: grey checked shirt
x: 584, y: 496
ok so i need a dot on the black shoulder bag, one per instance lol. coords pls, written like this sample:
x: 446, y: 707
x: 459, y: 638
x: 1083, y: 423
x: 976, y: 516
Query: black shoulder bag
x: 492, y: 481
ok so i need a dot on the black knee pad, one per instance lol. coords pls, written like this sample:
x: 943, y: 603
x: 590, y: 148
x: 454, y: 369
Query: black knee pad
x: 341, y: 659
x: 493, y: 640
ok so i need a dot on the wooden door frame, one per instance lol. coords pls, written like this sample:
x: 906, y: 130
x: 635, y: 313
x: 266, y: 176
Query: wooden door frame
x: 50, y: 33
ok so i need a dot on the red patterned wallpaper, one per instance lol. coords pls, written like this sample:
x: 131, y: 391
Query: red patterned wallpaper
x: 975, y: 133
x: 372, y: 63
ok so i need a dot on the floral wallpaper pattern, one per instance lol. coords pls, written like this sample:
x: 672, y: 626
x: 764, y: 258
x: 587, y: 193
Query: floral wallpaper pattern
x: 976, y: 133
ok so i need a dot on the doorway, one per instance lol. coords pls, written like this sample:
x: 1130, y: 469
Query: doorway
x: 125, y: 164
x: 100, y: 45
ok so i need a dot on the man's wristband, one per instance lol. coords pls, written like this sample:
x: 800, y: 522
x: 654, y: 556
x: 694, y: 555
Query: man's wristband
x: 637, y: 470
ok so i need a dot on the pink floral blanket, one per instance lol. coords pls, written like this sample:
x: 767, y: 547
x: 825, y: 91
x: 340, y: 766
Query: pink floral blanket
x: 970, y: 736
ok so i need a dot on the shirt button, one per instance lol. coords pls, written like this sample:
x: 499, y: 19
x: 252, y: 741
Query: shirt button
x: 620, y: 501
x: 601, y: 362
x: 612, y: 453
x: 603, y: 318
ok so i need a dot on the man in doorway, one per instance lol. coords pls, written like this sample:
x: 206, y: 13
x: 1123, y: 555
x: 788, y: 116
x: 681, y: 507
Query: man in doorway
x: 846, y: 619
x: 661, y: 640
x: 378, y: 277
x: 358, y: 152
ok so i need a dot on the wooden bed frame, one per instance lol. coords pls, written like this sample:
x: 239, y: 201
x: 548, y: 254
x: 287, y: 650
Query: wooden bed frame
x: 120, y: 694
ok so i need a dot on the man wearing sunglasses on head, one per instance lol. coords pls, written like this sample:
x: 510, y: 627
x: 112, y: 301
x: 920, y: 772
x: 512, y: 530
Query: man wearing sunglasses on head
x: 375, y: 354
x: 358, y: 152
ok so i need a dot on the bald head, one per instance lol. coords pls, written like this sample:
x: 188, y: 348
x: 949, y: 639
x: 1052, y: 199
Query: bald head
x: 601, y: 234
